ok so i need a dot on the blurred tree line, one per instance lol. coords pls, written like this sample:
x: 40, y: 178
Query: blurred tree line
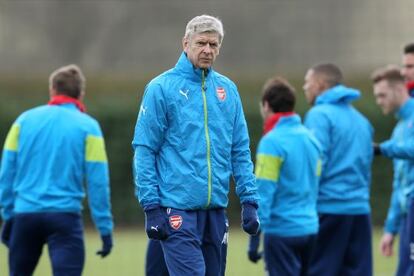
x: 114, y: 102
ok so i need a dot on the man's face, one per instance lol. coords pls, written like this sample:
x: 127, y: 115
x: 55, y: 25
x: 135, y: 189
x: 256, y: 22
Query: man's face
x: 312, y: 87
x: 202, y: 49
x: 386, y: 97
x: 408, y: 67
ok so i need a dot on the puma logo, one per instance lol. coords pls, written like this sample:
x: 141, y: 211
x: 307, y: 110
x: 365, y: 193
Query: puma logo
x: 154, y: 228
x: 185, y: 94
x: 143, y: 110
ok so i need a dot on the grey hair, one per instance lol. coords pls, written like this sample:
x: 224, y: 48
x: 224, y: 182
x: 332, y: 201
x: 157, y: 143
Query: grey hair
x: 204, y: 24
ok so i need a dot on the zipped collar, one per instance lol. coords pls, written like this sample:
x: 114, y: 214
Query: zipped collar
x: 185, y: 67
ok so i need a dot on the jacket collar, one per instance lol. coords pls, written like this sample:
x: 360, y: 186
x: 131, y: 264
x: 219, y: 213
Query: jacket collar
x: 185, y: 67
x: 338, y: 94
x: 406, y: 110
x: 273, y: 120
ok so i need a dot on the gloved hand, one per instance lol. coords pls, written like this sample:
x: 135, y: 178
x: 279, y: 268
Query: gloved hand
x: 250, y: 221
x: 376, y: 148
x: 6, y: 231
x: 106, y: 246
x: 253, y: 253
x: 156, y: 223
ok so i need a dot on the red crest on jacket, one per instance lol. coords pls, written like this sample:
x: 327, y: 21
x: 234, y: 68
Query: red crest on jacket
x: 221, y: 93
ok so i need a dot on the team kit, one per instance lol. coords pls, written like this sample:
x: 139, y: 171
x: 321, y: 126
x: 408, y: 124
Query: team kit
x: 304, y: 202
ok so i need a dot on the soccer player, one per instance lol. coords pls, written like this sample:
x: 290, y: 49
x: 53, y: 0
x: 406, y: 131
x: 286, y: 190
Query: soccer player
x: 190, y: 138
x: 408, y: 67
x: 343, y: 244
x: 288, y: 167
x: 49, y: 152
x: 392, y: 96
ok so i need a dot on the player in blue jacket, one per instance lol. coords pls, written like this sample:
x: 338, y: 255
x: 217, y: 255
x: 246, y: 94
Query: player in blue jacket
x: 190, y: 138
x: 288, y: 166
x: 344, y: 239
x: 49, y: 152
x: 392, y: 96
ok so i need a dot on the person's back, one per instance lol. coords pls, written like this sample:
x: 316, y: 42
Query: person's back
x: 49, y: 152
x: 293, y: 212
x: 51, y: 165
x: 345, y: 136
x: 288, y: 164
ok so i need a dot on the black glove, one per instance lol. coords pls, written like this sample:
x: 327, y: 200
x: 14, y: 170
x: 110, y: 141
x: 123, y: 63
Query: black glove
x: 253, y: 253
x: 6, y: 231
x: 377, y: 149
x: 250, y: 221
x: 156, y: 223
x: 106, y: 246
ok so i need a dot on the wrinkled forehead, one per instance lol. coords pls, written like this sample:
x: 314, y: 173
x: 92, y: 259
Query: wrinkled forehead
x: 206, y: 36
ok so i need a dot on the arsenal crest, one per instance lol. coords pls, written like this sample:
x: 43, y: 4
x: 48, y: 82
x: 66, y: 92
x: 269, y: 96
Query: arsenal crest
x: 221, y: 93
x: 176, y: 221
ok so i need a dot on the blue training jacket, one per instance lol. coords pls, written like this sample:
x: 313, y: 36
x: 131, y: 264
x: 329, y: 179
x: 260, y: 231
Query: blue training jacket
x: 288, y: 166
x: 190, y: 138
x: 345, y: 136
x: 48, y: 153
x: 401, y: 148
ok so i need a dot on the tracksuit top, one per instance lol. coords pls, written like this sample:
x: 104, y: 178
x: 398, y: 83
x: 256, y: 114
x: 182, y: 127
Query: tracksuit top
x: 190, y: 138
x: 401, y: 148
x: 49, y: 152
x: 288, y: 166
x: 345, y: 136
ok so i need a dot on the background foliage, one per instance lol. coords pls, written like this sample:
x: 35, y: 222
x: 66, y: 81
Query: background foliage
x: 114, y: 102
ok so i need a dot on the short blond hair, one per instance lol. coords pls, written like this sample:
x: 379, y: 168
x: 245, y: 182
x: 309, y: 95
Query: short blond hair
x: 390, y: 73
x: 68, y: 80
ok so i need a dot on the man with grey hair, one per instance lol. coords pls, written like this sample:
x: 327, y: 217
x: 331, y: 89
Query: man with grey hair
x: 190, y: 137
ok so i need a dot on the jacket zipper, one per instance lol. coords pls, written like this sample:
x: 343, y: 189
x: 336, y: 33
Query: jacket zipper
x: 207, y: 137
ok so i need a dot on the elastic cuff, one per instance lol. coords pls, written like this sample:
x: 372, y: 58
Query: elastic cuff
x: 252, y: 203
x: 151, y: 207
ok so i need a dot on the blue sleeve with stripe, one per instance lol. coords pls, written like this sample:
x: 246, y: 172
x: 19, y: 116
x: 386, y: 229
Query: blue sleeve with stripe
x: 268, y: 164
x: 8, y: 171
x: 97, y: 176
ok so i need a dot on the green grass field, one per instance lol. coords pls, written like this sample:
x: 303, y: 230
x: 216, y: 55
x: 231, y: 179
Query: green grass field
x: 127, y: 257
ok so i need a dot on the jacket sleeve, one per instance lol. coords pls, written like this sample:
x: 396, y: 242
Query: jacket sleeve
x: 392, y: 223
x: 393, y: 149
x: 97, y: 177
x: 268, y: 165
x: 319, y: 125
x: 148, y: 138
x: 8, y: 171
x: 241, y: 158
